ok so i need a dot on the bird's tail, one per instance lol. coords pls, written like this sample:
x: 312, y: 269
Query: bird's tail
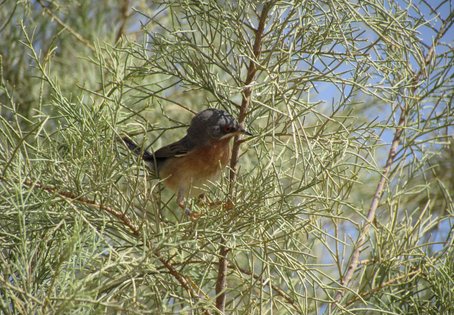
x: 144, y: 154
x: 148, y: 157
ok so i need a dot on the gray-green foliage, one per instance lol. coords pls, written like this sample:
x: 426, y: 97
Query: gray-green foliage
x: 84, y: 229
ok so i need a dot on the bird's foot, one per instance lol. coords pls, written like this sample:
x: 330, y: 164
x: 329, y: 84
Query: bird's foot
x: 227, y: 205
x: 192, y: 215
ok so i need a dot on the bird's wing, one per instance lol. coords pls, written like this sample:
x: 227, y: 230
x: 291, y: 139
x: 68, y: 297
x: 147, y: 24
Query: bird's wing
x: 176, y: 149
x: 144, y: 154
x: 155, y: 160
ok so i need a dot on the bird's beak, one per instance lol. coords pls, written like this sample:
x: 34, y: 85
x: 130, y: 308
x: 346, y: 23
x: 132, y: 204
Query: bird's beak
x: 245, y: 132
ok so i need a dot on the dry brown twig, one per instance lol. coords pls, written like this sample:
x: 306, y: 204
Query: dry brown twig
x: 221, y: 281
x: 121, y: 216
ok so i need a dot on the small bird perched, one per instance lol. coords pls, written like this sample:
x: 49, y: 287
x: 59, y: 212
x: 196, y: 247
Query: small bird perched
x: 198, y: 157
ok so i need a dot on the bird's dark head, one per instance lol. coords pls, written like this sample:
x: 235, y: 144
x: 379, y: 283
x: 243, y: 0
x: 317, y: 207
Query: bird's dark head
x: 214, y: 124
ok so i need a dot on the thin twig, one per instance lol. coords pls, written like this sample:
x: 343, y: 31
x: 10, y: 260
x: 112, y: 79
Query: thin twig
x: 186, y: 283
x: 79, y: 37
x: 276, y: 289
x: 383, y: 285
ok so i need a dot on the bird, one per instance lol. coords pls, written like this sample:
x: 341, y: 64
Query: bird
x: 199, y: 157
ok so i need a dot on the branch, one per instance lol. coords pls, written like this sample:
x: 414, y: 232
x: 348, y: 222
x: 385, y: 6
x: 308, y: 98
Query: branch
x: 71, y: 196
x: 354, y: 260
x: 221, y: 281
x: 277, y: 290
x: 124, y: 18
x: 247, y: 91
x: 186, y: 283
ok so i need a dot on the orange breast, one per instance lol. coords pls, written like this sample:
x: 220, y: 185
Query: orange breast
x: 197, y: 167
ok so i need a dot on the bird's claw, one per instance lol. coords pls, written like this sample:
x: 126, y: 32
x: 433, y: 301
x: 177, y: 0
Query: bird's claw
x: 187, y: 211
x: 192, y: 215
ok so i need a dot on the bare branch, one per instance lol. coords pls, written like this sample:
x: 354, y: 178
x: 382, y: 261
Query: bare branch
x: 221, y: 281
x: 123, y: 19
x: 354, y: 259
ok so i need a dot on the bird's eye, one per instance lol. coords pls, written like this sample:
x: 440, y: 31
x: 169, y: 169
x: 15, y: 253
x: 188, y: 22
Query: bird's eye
x: 227, y: 129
